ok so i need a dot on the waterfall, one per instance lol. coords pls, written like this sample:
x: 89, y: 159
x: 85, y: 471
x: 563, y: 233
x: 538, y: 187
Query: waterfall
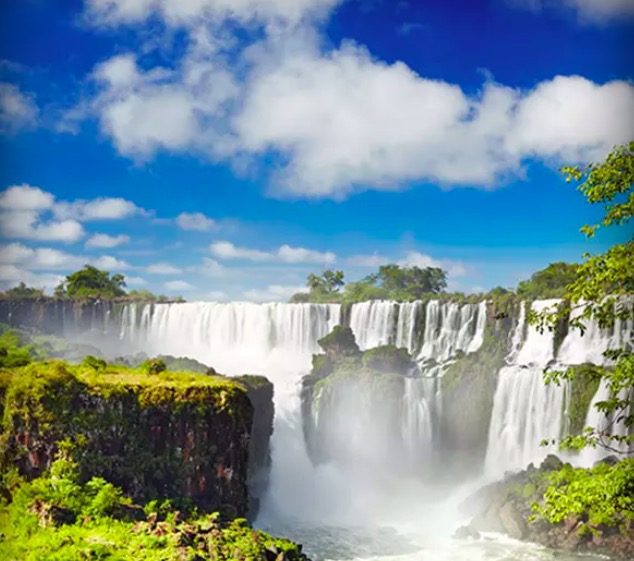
x: 450, y: 327
x: 419, y: 401
x: 235, y: 337
x: 373, y: 323
x: 408, y: 313
x: 525, y: 409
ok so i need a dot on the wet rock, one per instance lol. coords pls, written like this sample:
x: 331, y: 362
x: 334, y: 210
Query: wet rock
x: 512, y: 521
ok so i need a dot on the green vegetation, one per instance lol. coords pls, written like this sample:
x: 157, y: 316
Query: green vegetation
x: 603, y: 289
x: 339, y: 342
x: 21, y: 291
x: 584, y: 383
x: 119, y: 421
x: 89, y: 283
x: 550, y: 282
x: 603, y: 495
x: 391, y: 282
x: 58, y: 516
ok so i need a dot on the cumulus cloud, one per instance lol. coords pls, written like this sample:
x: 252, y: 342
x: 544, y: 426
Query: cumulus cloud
x: 364, y: 124
x: 454, y: 269
x: 106, y: 241
x: 284, y: 254
x: 210, y: 268
x: 26, y: 197
x: 588, y: 11
x: 188, y: 12
x: 163, y: 269
x: 30, y: 213
x: 17, y: 109
x: 110, y: 263
x: 194, y: 221
x: 178, y: 285
x: 28, y: 225
x: 102, y: 208
x: 272, y: 293
x: 48, y: 259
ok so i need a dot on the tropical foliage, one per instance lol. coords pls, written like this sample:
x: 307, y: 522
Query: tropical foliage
x: 603, y: 291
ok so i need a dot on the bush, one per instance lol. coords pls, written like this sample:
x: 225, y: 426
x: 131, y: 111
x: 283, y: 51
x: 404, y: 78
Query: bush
x: 154, y: 366
x: 95, y: 363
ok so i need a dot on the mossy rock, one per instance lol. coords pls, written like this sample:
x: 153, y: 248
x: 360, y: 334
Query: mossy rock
x: 178, y: 436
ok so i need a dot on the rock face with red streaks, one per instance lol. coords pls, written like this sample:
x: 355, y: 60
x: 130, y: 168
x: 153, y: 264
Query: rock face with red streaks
x: 183, y: 437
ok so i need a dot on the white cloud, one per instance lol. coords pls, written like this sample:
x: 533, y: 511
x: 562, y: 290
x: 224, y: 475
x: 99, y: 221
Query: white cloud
x: 226, y: 250
x: 30, y: 213
x: 588, y: 11
x: 210, y: 268
x: 163, y: 269
x: 17, y: 109
x: 284, y: 254
x: 339, y: 121
x: 178, y: 285
x: 106, y: 241
x: 102, y: 208
x: 26, y: 197
x: 189, y: 12
x: 194, y: 221
x: 27, y: 225
x: 367, y: 260
x: 38, y: 258
x: 110, y: 263
x: 454, y: 269
x: 272, y: 293
x: 135, y: 281
x: 366, y: 124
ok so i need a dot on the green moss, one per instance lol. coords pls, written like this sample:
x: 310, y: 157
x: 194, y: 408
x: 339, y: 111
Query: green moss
x: 387, y: 358
x: 584, y: 383
x: 149, y: 433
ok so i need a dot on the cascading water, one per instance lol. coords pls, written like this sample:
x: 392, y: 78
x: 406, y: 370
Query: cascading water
x: 525, y: 410
x: 318, y: 504
x: 450, y: 328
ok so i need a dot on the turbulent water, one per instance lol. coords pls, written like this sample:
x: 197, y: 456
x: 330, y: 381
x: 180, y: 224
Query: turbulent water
x: 352, y: 511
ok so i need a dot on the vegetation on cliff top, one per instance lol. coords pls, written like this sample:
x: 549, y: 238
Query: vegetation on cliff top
x: 57, y: 516
x: 89, y: 283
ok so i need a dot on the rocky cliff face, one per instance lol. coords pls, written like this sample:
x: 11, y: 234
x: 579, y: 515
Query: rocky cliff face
x: 177, y: 436
x: 260, y: 393
x: 352, y: 403
x: 56, y: 316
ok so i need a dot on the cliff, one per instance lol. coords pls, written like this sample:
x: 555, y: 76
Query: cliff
x: 179, y: 436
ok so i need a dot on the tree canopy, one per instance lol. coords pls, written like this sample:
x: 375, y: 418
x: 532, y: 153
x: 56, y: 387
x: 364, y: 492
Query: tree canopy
x: 550, y: 282
x: 603, y: 291
x: 91, y: 282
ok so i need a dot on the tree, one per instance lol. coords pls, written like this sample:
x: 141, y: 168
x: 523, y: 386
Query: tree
x: 22, y: 291
x: 91, y: 282
x: 329, y: 282
x: 550, y: 282
x: 603, y: 291
x: 409, y: 282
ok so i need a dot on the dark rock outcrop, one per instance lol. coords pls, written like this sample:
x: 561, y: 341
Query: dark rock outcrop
x: 506, y: 507
x: 181, y: 437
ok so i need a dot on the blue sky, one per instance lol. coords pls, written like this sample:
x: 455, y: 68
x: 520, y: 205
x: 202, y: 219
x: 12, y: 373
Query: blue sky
x: 224, y: 149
